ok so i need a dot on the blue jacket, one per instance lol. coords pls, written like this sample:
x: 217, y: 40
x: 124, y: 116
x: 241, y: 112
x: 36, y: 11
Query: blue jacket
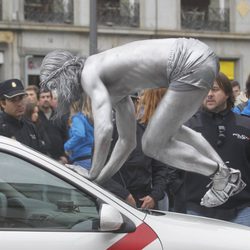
x: 81, y: 137
x: 245, y: 111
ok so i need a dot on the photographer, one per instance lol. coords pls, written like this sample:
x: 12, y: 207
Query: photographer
x: 229, y: 134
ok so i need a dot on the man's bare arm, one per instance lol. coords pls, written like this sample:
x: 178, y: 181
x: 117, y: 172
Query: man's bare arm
x: 126, y: 127
x: 102, y: 114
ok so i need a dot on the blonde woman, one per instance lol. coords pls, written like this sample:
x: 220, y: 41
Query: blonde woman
x: 79, y: 146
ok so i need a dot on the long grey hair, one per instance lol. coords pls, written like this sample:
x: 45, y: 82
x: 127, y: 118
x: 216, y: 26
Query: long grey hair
x: 61, y: 70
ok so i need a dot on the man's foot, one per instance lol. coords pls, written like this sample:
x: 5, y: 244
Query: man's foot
x: 225, y: 183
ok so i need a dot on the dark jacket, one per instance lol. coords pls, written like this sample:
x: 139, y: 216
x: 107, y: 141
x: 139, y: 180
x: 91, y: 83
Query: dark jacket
x: 21, y: 130
x: 141, y: 175
x: 56, y: 130
x: 232, y: 144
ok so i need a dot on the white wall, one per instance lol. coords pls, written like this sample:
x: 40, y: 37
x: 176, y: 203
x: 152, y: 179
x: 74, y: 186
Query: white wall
x: 242, y: 16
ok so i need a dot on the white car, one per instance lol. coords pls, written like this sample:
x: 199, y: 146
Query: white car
x: 44, y: 205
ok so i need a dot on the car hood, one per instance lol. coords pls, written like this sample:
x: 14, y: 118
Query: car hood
x: 179, y: 231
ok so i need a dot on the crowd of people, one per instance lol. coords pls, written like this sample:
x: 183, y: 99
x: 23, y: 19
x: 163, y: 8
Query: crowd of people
x: 28, y: 115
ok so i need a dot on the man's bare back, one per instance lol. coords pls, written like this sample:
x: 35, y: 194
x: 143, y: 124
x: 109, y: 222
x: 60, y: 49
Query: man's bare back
x: 133, y: 66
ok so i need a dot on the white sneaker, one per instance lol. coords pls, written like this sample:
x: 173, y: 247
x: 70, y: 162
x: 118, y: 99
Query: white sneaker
x: 234, y: 185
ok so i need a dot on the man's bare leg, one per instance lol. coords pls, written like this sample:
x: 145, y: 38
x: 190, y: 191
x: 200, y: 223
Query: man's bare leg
x: 195, y: 139
x: 168, y: 141
x: 162, y: 138
x: 126, y: 142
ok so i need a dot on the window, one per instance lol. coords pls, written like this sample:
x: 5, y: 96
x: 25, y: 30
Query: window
x: 118, y: 12
x: 228, y: 68
x: 56, y: 11
x: 32, y: 69
x: 205, y: 15
x: 31, y: 198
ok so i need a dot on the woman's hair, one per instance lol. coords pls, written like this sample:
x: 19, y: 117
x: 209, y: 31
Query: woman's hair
x: 29, y: 109
x: 235, y: 84
x: 225, y: 84
x: 61, y: 70
x: 34, y: 88
x: 85, y: 109
x: 148, y: 103
x: 248, y: 87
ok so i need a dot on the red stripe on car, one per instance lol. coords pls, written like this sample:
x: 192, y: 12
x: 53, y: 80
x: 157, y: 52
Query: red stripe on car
x: 137, y: 240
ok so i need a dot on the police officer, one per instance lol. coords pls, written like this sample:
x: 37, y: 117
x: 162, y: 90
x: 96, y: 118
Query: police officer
x: 12, y: 123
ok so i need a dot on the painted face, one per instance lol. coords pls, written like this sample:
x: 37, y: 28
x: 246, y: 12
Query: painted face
x: 15, y: 106
x: 34, y: 116
x: 216, y: 99
x: 31, y: 96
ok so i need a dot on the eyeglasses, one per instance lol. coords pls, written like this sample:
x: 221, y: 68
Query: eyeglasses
x: 221, y: 135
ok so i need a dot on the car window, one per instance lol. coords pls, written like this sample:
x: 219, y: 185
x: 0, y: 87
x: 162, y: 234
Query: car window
x: 32, y: 198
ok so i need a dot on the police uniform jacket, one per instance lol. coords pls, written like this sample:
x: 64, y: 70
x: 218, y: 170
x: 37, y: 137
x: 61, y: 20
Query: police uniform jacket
x: 20, y: 130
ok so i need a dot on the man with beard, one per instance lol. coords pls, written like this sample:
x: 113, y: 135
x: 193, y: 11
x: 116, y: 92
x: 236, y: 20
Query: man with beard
x: 55, y: 128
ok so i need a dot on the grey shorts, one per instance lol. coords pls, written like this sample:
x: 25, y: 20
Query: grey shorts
x: 191, y: 64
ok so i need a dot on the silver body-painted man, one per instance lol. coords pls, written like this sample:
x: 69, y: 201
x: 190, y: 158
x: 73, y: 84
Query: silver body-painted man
x: 187, y: 67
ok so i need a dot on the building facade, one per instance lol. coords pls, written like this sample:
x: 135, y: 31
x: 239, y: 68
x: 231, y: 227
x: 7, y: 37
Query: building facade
x: 29, y: 29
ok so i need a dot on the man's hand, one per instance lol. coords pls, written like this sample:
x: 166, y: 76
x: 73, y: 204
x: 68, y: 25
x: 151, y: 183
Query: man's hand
x: 130, y: 200
x: 148, y: 202
x: 63, y: 160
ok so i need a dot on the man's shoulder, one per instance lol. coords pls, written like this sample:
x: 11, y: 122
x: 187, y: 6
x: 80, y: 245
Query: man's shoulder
x: 2, y: 121
x: 41, y: 115
x: 6, y: 128
x: 1, y: 117
x: 195, y: 120
x: 6, y: 119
